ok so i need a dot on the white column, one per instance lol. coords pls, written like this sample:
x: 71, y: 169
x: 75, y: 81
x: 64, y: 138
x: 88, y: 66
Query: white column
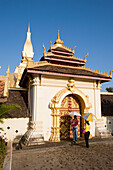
x: 34, y: 109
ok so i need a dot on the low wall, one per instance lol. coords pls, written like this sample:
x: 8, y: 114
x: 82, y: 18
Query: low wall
x: 108, y: 120
x: 14, y: 128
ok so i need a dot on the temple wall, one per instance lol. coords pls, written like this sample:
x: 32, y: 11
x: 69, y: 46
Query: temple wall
x: 108, y: 122
x: 47, y: 90
x: 14, y: 128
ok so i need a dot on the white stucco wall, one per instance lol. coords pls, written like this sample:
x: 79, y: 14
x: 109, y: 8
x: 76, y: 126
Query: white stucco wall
x: 108, y: 122
x: 47, y: 90
x: 14, y: 127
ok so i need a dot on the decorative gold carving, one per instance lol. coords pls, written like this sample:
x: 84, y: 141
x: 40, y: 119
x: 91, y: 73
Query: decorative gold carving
x: 96, y: 71
x: 74, y: 49
x: 44, y: 50
x: 85, y: 57
x: 56, y: 104
x: 35, y: 81
x: 111, y: 73
x: 50, y: 45
x: 71, y: 84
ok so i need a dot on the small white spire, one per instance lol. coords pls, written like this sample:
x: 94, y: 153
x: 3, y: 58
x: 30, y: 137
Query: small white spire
x: 29, y: 28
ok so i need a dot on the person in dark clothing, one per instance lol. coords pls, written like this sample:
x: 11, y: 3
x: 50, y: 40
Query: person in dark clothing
x: 87, y: 133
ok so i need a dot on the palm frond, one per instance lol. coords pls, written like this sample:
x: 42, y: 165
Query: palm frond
x: 2, y: 129
x: 5, y: 108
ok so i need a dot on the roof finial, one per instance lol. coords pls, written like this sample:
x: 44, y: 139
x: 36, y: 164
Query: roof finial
x: 58, y: 41
x: 111, y: 73
x: 29, y: 27
x: 74, y: 49
x: 58, y: 35
x: 50, y: 45
x: 44, y: 50
x: 85, y: 57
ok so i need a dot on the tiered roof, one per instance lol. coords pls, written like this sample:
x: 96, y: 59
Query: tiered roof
x: 60, y: 61
x: 60, y: 54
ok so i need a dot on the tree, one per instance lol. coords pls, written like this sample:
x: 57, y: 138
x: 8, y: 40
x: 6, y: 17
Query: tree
x: 110, y: 89
x: 5, y: 108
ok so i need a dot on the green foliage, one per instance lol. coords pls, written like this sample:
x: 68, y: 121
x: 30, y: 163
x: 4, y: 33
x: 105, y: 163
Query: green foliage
x: 2, y: 151
x: 110, y: 89
x: 5, y: 108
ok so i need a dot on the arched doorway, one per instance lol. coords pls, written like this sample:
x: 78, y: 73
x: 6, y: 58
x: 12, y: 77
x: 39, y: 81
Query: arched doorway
x: 56, y: 106
x: 70, y: 103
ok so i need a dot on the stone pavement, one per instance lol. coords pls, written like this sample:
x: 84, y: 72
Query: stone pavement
x: 25, y: 158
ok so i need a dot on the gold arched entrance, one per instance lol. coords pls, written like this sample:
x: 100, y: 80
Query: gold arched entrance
x: 56, y: 107
x: 70, y: 103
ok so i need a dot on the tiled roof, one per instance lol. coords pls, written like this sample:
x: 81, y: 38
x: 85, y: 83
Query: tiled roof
x: 19, y: 97
x: 68, y: 70
x: 2, y: 84
x: 107, y: 105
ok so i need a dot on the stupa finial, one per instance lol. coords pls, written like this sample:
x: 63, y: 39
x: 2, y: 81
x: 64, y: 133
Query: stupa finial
x: 29, y: 27
x: 58, y: 41
x: 58, y: 35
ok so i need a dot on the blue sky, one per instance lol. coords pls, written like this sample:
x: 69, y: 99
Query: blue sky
x: 86, y: 24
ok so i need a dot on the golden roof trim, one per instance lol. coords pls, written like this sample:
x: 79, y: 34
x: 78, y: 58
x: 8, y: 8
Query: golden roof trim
x: 34, y: 64
x: 98, y: 71
x: 85, y: 57
x: 111, y: 73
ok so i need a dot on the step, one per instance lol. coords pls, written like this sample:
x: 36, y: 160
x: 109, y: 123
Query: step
x: 105, y: 135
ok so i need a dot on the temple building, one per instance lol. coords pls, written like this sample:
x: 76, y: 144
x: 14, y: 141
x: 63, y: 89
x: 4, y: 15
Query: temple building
x: 48, y: 91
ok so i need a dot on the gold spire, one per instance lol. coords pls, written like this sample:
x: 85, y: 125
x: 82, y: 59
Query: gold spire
x: 58, y: 36
x: 58, y: 41
x: 7, y: 72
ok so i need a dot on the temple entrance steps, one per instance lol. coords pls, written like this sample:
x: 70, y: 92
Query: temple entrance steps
x: 101, y: 129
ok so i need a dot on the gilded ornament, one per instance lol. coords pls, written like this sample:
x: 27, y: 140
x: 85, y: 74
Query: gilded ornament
x: 85, y: 57
x: 74, y: 49
x: 44, y: 50
x: 50, y: 45
x: 111, y: 73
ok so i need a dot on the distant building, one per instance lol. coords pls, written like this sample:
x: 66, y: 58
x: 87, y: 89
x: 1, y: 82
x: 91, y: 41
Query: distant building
x: 48, y: 91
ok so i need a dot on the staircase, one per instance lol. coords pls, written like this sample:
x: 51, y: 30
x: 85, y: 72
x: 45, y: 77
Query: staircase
x: 101, y: 129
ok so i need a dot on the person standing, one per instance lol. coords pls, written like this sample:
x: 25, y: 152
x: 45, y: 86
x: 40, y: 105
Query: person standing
x: 74, y: 124
x: 87, y: 133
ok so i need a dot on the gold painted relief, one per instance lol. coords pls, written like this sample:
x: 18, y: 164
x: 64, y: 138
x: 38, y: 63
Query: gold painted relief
x: 69, y: 104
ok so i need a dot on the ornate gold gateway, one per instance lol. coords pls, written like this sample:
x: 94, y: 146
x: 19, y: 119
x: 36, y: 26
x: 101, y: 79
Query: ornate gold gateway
x: 69, y: 104
x: 66, y: 100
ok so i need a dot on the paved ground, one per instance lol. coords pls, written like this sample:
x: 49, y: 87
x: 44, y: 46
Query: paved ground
x: 64, y: 156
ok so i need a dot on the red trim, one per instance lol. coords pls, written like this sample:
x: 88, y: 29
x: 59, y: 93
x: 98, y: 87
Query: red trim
x: 68, y: 75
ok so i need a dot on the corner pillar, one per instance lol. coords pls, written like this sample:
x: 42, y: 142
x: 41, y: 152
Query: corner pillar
x: 34, y: 135
x: 55, y: 129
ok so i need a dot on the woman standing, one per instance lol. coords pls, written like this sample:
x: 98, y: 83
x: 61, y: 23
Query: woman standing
x: 74, y: 124
x: 87, y: 133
